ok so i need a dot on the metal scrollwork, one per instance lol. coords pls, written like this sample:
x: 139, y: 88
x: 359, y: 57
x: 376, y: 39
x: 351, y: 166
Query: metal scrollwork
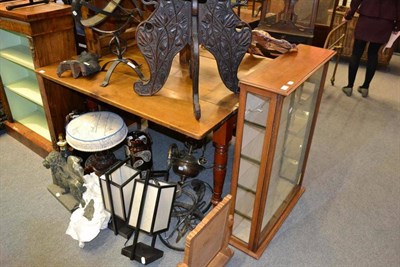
x: 175, y: 24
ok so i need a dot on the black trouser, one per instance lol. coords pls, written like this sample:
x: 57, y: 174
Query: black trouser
x: 372, y: 62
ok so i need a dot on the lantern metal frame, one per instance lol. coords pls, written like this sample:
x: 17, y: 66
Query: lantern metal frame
x: 118, y: 218
x: 139, y: 203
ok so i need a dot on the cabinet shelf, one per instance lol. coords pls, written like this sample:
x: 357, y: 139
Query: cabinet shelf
x: 19, y: 54
x: 253, y: 138
x: 27, y: 88
x: 255, y: 161
x: 255, y: 124
x: 293, y: 147
x: 242, y: 215
x: 247, y: 189
x: 298, y: 124
x: 28, y: 113
x: 36, y: 121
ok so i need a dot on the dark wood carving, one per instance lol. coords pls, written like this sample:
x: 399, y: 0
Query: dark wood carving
x: 175, y: 24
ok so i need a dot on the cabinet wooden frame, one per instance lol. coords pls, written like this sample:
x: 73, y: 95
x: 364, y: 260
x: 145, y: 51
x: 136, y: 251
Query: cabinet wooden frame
x: 254, y: 236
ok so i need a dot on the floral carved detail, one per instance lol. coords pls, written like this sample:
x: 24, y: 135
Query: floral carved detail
x: 170, y: 28
x: 226, y: 37
x: 160, y: 38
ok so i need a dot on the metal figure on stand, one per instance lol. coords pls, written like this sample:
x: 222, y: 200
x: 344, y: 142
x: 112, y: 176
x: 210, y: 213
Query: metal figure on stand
x: 117, y: 45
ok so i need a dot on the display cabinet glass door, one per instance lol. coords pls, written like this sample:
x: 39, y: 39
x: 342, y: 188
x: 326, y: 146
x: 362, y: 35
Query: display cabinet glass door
x: 293, y: 137
x: 254, y: 128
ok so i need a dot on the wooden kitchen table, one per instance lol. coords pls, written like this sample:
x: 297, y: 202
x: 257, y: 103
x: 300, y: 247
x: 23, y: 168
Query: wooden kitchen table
x: 171, y: 107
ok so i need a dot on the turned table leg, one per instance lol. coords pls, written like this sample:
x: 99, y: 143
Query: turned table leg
x: 221, y: 138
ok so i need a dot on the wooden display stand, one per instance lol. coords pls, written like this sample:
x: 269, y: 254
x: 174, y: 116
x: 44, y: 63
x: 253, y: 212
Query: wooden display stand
x: 278, y: 110
x: 207, y: 244
x: 31, y: 37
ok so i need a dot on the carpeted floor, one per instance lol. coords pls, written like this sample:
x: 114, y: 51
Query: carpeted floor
x: 348, y: 216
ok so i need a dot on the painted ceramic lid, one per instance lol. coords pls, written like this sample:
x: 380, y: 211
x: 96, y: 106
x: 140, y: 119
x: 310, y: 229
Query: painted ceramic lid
x: 96, y: 131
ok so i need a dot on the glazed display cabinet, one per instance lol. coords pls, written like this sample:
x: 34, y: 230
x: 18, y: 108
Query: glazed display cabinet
x: 324, y: 21
x: 290, y: 20
x: 277, y: 114
x: 31, y: 37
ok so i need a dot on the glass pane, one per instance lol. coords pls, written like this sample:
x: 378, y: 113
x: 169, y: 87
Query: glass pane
x: 325, y: 11
x: 299, y: 12
x: 256, y: 109
x: 303, y: 10
x: 253, y: 137
x: 256, y: 114
x: 254, y: 126
x: 241, y: 227
x: 248, y: 174
x: 242, y: 207
x: 297, y: 114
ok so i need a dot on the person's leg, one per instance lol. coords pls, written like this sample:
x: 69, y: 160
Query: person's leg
x: 372, y: 63
x: 358, y: 50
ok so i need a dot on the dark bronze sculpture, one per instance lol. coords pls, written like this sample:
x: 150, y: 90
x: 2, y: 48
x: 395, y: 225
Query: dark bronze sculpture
x: 86, y: 65
x: 176, y: 24
x: 67, y: 174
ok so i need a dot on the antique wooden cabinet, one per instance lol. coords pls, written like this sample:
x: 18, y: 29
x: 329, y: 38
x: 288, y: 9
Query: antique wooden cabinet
x: 324, y: 21
x: 277, y: 114
x: 290, y: 20
x: 31, y: 37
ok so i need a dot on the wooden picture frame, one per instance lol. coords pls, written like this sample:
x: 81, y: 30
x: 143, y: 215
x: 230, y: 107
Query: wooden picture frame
x: 207, y: 244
